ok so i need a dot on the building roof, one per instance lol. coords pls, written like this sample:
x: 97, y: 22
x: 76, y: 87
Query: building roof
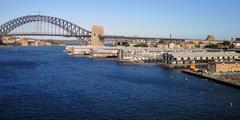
x: 235, y: 62
x: 204, y: 54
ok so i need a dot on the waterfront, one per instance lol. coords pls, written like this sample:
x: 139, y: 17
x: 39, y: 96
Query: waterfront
x: 44, y: 83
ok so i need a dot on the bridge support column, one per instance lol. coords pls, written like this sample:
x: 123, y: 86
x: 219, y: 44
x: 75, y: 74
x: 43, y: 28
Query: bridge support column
x: 96, y: 40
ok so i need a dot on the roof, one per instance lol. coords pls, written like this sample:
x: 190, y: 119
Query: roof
x: 204, y: 54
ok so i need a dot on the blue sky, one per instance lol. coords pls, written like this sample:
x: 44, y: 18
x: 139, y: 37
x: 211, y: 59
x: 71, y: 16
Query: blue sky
x: 156, y: 18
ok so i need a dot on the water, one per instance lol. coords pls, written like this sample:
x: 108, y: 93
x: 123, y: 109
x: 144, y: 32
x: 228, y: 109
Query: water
x: 42, y: 83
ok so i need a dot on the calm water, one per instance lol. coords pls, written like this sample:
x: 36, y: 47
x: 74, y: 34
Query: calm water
x: 42, y: 83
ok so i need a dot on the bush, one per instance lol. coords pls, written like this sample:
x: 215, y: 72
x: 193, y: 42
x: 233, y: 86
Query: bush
x: 212, y: 46
x: 126, y: 44
x: 141, y: 45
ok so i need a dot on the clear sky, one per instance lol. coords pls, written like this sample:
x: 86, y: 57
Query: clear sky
x: 156, y: 18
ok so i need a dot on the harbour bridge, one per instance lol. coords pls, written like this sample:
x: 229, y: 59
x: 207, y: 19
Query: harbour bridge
x: 41, y: 25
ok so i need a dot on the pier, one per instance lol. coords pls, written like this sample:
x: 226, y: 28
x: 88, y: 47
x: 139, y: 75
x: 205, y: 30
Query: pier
x: 163, y: 57
x: 231, y: 81
x: 93, y: 51
x: 122, y: 54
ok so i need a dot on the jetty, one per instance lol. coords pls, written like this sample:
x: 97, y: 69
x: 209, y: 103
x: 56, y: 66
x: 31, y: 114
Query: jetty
x: 231, y: 80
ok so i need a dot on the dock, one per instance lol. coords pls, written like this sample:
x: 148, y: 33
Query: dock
x: 122, y: 54
x: 92, y: 51
x: 231, y: 81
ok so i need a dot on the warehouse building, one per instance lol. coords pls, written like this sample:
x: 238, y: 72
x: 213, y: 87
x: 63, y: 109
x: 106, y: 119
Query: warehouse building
x: 183, y: 59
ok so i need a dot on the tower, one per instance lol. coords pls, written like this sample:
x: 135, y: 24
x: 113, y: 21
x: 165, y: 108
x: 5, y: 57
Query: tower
x: 97, y: 32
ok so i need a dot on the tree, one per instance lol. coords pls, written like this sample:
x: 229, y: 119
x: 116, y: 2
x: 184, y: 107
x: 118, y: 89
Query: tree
x: 126, y: 44
x: 1, y: 43
x: 226, y: 43
x: 231, y: 46
x: 161, y: 41
x: 141, y: 45
x: 212, y: 46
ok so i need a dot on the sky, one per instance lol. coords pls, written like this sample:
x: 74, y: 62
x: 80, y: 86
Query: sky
x: 148, y: 18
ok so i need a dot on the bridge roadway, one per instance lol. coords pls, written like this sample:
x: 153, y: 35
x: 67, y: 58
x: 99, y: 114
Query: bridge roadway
x: 112, y: 37
x: 106, y: 37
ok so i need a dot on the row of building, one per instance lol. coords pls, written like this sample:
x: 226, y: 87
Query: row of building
x: 187, y: 58
x: 217, y: 62
x: 173, y: 58
x: 192, y: 44
x: 23, y: 42
x: 185, y: 43
x: 182, y: 58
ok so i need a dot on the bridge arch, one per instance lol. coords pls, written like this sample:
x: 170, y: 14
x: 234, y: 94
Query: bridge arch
x: 71, y: 28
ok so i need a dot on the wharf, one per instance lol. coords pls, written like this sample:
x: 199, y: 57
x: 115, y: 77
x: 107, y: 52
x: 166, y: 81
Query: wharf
x: 231, y: 81
x: 123, y: 54
x: 92, y: 51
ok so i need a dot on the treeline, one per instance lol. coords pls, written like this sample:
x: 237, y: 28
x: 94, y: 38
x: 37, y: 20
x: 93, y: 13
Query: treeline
x: 126, y: 44
x: 224, y: 45
x: 54, y: 42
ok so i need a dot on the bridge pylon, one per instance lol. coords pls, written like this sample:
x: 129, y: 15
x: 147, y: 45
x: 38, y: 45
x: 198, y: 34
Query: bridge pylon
x: 97, y: 32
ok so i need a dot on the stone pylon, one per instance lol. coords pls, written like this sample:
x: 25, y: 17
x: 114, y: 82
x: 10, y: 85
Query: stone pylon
x: 97, y: 32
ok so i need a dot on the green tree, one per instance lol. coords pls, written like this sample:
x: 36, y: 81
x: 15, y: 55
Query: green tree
x: 126, y: 44
x: 226, y: 43
x: 1, y: 43
x: 141, y: 45
x: 212, y: 46
x: 161, y: 41
x: 231, y: 46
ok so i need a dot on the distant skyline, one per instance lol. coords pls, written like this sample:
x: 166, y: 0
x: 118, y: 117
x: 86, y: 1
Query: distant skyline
x: 151, y: 18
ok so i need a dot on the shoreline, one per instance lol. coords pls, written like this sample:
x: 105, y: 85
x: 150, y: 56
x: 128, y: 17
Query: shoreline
x: 5, y: 46
x: 218, y: 80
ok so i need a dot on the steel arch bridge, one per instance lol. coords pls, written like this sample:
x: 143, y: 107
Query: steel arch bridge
x: 95, y: 37
x: 71, y: 29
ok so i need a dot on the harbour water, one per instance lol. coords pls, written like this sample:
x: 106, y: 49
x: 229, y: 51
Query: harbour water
x: 43, y: 83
